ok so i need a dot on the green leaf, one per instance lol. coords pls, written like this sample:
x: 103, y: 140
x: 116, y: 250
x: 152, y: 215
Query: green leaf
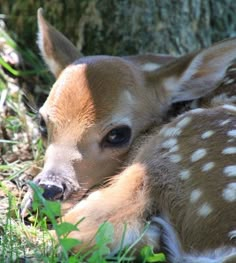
x: 103, y: 237
x: 52, y: 208
x: 65, y: 228
x: 73, y: 259
x: 36, y: 196
x: 69, y: 243
x: 149, y: 256
x: 105, y: 234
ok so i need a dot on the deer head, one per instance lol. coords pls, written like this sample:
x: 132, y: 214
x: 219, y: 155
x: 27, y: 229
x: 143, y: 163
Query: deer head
x: 99, y: 105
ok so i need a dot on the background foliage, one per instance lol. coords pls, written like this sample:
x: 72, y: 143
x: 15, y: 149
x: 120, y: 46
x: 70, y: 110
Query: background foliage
x: 121, y: 27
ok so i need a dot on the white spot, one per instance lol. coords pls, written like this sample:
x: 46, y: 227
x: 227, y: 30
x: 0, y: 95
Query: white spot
x: 231, y: 69
x: 198, y: 110
x: 223, y: 99
x: 229, y: 150
x: 184, y: 122
x: 208, y: 166
x: 95, y: 195
x: 229, y: 193
x: 174, y: 149
x: 232, y: 234
x: 175, y: 158
x: 205, y: 210
x: 195, y: 195
x: 228, y: 81
x: 230, y: 140
x: 198, y: 154
x: 150, y: 66
x: 222, y: 123
x: 207, y: 134
x: 170, y: 131
x: 169, y: 143
x: 230, y: 170
x: 184, y: 175
x: 229, y: 107
x: 232, y: 133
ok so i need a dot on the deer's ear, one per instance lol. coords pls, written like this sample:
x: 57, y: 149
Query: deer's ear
x: 197, y: 74
x: 56, y: 49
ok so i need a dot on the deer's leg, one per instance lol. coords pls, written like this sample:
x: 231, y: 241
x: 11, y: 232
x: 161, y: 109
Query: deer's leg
x: 125, y: 202
x: 175, y: 253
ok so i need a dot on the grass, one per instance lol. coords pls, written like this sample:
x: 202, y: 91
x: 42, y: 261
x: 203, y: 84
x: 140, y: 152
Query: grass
x: 21, y: 158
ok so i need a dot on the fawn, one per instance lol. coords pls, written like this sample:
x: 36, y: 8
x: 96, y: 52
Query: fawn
x: 114, y: 141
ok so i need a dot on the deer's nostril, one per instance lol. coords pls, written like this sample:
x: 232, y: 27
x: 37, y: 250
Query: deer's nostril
x: 52, y: 192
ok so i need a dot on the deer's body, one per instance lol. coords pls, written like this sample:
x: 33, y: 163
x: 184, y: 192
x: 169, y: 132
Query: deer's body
x: 105, y: 118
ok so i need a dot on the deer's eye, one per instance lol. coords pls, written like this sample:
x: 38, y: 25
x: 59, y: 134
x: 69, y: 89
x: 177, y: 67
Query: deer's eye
x: 43, y: 127
x: 117, y: 137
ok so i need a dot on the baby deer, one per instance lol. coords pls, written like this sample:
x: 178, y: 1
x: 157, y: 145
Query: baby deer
x: 105, y: 118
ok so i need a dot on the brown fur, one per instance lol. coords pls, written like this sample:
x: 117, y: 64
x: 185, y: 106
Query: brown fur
x: 96, y: 94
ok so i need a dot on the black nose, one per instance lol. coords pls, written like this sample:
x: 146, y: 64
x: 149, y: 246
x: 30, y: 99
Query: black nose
x: 52, y: 192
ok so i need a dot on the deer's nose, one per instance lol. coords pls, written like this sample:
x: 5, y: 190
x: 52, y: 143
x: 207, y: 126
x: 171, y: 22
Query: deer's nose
x: 52, y: 192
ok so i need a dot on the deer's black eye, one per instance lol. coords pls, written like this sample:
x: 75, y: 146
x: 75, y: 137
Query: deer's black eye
x: 117, y: 137
x: 43, y: 127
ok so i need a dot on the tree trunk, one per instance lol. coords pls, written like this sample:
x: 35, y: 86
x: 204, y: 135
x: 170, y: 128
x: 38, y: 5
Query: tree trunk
x: 122, y: 27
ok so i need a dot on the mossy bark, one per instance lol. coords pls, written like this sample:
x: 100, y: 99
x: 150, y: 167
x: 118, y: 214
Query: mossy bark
x: 121, y: 27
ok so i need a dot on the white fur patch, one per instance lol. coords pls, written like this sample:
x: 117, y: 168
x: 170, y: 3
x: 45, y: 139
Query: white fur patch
x: 205, y: 210
x: 230, y: 170
x: 229, y: 107
x: 150, y: 66
x: 198, y: 154
x: 82, y: 204
x: 208, y: 166
x: 184, y: 174
x: 229, y: 81
x: 184, y: 122
x: 229, y: 193
x: 207, y: 134
x: 232, y: 133
x: 222, y: 123
x: 232, y: 234
x: 170, y: 131
x: 175, y: 158
x: 122, y: 120
x: 195, y: 195
x: 231, y: 69
x: 229, y: 150
x: 198, y: 110
x: 174, y: 149
x: 95, y: 195
x: 223, y: 99
x: 169, y: 143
